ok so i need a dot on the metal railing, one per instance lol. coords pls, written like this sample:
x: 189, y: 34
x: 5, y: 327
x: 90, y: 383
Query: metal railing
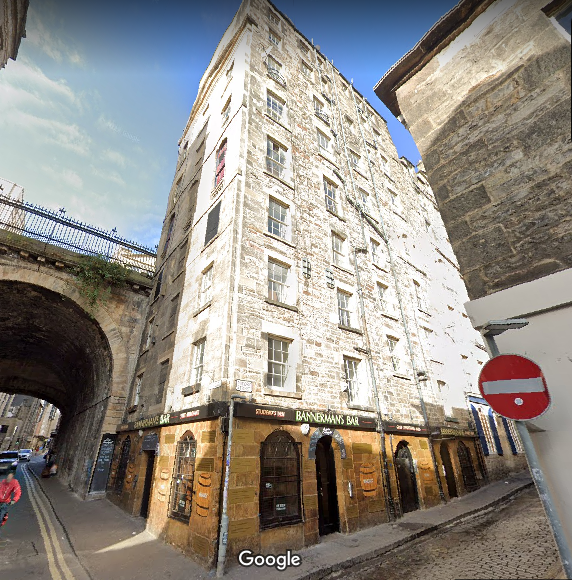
x: 274, y: 74
x: 55, y: 228
x: 324, y: 116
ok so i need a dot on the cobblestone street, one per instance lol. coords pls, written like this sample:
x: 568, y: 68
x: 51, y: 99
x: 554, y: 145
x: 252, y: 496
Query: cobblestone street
x: 512, y: 542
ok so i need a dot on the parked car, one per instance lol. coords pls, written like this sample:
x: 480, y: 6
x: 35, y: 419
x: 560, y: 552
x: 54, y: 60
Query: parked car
x: 8, y: 461
x: 25, y: 454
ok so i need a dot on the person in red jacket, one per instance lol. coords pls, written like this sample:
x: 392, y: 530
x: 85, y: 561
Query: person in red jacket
x: 10, y: 493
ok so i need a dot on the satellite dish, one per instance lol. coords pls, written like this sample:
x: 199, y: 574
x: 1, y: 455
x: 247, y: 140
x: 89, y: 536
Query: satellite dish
x: 318, y: 47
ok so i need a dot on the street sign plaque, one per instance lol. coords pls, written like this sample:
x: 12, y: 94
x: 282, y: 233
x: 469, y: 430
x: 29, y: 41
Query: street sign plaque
x: 514, y: 387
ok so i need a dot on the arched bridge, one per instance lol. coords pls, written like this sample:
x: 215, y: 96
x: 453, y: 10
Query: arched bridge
x: 54, y: 344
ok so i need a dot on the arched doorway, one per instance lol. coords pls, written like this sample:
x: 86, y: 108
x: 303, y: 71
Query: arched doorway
x: 449, y: 473
x: 406, y: 478
x: 328, y: 513
x: 467, y: 469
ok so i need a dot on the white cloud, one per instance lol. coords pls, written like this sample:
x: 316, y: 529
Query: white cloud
x: 53, y: 45
x: 108, y: 175
x: 114, y: 157
x: 51, y: 131
x: 66, y: 176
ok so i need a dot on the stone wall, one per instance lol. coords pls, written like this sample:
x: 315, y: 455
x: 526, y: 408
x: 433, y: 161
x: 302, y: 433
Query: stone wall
x: 491, y: 117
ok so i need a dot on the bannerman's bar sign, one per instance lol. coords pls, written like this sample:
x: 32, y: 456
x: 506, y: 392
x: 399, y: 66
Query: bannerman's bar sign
x: 304, y: 416
x: 176, y: 417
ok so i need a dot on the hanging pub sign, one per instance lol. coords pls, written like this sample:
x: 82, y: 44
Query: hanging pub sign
x: 301, y: 416
x: 452, y: 432
x: 212, y: 410
x: 405, y: 429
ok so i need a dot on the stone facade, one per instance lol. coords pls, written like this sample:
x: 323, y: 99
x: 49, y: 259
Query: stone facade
x: 490, y: 113
x: 12, y: 28
x: 316, y: 280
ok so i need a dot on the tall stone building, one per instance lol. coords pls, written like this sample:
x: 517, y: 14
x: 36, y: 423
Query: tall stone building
x: 486, y: 95
x: 304, y: 266
x: 18, y: 419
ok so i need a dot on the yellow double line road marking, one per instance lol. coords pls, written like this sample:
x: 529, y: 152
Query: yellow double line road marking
x: 53, y: 549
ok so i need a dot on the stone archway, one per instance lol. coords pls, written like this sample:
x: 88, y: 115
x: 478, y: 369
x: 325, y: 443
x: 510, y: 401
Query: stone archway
x: 51, y: 348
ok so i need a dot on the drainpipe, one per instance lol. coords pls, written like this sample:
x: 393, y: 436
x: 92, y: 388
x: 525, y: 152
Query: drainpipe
x: 386, y: 482
x: 223, y: 536
x: 401, y: 308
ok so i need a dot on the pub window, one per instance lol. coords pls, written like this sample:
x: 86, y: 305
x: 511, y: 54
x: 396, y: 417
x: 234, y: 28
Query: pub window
x: 212, y: 223
x: 279, y: 481
x: 183, y: 478
x: 122, y: 467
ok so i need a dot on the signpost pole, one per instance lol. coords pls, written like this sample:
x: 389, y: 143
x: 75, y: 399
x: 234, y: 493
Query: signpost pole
x: 539, y: 481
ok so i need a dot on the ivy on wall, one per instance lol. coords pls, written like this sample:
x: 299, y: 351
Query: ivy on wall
x: 96, y: 277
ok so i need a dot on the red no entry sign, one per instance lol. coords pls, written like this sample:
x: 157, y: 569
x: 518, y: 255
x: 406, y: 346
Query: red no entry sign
x: 514, y: 387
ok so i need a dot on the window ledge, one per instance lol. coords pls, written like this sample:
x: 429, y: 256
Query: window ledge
x: 177, y: 275
x: 451, y: 420
x: 423, y: 311
x: 357, y: 407
x: 278, y: 122
x: 280, y: 393
x: 343, y: 269
x: 397, y: 213
x: 283, y: 181
x: 401, y: 376
x: 191, y: 390
x: 274, y: 237
x: 281, y: 304
x: 391, y: 316
x: 201, y: 308
x: 145, y: 351
x: 336, y: 215
x: 327, y: 157
x: 379, y: 267
x: 359, y: 172
x: 168, y: 334
x: 210, y: 243
x: 350, y: 329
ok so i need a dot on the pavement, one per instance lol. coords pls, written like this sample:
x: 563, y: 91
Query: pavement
x: 110, y: 544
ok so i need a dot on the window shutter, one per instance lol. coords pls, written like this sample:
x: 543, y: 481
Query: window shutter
x: 493, y: 425
x: 480, y: 431
x: 509, y: 436
x: 212, y: 223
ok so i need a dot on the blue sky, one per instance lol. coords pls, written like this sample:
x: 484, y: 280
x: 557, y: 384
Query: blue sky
x: 93, y: 108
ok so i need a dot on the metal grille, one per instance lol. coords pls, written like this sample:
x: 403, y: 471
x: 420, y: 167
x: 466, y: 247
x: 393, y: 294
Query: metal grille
x: 122, y: 467
x: 55, y: 228
x: 279, y: 481
x: 183, y: 477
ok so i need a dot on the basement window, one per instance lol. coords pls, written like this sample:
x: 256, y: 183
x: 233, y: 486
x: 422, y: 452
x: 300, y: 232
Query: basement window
x: 279, y: 481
